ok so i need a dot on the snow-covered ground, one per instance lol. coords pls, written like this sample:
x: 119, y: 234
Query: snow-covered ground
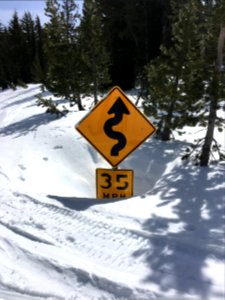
x: 58, y: 242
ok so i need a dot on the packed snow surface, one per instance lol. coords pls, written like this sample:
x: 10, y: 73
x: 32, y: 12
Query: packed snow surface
x: 57, y: 241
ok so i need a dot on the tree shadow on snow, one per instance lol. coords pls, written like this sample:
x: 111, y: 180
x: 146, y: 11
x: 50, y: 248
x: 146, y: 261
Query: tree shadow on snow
x: 149, y: 162
x: 19, y: 93
x: 195, y: 195
x: 20, y: 101
x: 24, y: 126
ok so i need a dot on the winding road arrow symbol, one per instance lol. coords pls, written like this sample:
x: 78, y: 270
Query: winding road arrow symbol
x: 115, y: 127
x: 118, y: 109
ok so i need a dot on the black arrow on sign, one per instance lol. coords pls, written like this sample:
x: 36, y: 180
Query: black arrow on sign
x: 118, y: 108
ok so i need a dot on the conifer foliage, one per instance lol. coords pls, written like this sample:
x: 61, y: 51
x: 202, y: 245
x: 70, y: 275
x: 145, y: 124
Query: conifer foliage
x: 174, y: 80
x: 3, y: 57
x: 185, y: 84
x: 78, y: 61
x: 21, y: 45
x: 93, y: 48
x: 63, y: 77
x: 215, y: 75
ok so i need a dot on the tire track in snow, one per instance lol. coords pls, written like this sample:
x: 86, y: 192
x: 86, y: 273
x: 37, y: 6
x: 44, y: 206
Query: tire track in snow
x: 64, y: 224
x: 82, y: 235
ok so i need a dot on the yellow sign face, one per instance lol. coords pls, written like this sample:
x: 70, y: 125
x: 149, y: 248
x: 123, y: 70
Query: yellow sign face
x: 114, y: 183
x: 115, y: 127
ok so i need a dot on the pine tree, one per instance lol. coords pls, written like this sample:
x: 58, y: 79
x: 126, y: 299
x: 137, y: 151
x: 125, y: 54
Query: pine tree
x: 3, y: 57
x: 174, y: 80
x: 92, y: 44
x: 53, y: 33
x: 63, y: 60
x: 39, y: 66
x: 16, y: 50
x: 215, y: 89
x: 185, y: 86
x: 21, y: 51
x: 27, y: 26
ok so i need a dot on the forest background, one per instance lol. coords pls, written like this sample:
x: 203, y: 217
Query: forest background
x: 172, y: 51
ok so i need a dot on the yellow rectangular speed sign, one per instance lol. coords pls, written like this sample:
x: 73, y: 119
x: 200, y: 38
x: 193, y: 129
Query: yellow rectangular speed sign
x: 114, y: 183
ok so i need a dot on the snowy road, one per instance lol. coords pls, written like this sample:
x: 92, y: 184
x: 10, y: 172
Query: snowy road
x: 58, y: 242
x: 91, y: 239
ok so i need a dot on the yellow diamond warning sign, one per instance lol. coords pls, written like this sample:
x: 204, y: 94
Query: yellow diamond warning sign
x: 115, y: 127
x: 114, y: 183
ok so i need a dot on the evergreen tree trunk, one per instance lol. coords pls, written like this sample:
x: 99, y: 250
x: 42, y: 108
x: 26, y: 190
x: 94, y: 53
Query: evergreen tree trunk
x: 168, y: 119
x: 95, y: 83
x: 167, y: 123
x: 206, y: 148
x: 79, y: 103
x: 205, y: 154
